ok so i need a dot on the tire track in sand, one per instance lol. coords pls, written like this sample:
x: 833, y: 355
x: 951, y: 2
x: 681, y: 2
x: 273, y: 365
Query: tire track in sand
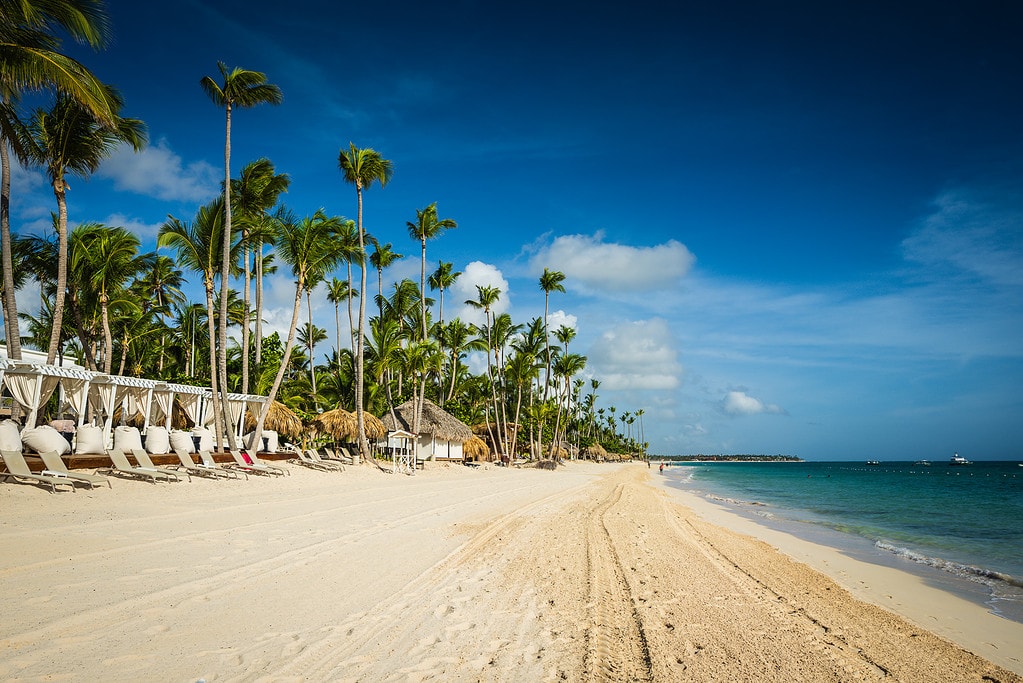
x: 616, y: 646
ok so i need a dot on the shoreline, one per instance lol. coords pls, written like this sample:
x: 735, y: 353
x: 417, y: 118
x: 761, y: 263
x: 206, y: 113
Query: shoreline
x: 463, y: 574
x: 943, y: 611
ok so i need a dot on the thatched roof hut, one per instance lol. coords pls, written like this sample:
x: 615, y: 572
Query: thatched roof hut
x: 344, y: 426
x: 476, y: 449
x: 595, y: 452
x: 280, y: 419
x: 442, y: 426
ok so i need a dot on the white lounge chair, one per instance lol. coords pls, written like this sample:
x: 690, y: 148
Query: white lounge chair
x: 144, y: 461
x: 55, y: 465
x: 19, y: 471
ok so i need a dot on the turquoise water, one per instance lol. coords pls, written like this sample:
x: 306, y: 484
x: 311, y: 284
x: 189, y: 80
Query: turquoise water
x: 965, y: 522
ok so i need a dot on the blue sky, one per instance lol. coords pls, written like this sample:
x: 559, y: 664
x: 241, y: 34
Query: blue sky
x: 786, y: 227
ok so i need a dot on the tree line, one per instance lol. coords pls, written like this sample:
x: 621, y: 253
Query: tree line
x: 116, y: 309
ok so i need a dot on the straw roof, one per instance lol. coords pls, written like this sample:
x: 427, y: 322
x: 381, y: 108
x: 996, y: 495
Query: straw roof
x: 441, y: 425
x: 280, y: 419
x: 344, y: 426
x: 476, y: 448
x: 595, y: 450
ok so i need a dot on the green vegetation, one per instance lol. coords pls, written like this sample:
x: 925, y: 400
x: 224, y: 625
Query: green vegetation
x: 116, y: 309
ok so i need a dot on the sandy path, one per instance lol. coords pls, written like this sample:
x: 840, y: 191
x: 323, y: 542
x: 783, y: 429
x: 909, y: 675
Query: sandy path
x: 588, y: 573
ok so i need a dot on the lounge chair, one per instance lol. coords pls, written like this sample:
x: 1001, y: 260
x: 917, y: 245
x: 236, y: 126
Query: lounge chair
x: 208, y: 463
x: 307, y: 458
x: 120, y: 465
x: 262, y: 463
x: 55, y: 466
x: 332, y: 456
x: 189, y: 466
x: 144, y: 461
x: 251, y: 467
x: 19, y: 471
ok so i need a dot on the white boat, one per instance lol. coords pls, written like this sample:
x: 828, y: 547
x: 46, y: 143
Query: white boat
x: 958, y: 460
x: 923, y: 463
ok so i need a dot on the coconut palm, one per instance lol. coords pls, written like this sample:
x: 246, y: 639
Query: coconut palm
x: 239, y: 88
x: 427, y: 227
x: 198, y: 249
x: 486, y: 297
x: 338, y: 291
x: 382, y: 257
x: 30, y: 60
x: 565, y: 367
x: 362, y: 167
x: 308, y: 247
x: 254, y: 193
x: 550, y: 281
x: 69, y: 139
x: 162, y: 283
x: 108, y: 258
x: 443, y: 278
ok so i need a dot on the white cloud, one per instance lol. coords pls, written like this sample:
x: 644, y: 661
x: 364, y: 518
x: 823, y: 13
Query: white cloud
x: 157, y: 171
x: 590, y: 264
x: 740, y: 403
x: 636, y: 355
x: 146, y: 231
x: 464, y: 289
x: 557, y: 319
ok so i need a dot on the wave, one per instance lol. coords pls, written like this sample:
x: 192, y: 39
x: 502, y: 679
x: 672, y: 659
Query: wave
x: 988, y: 577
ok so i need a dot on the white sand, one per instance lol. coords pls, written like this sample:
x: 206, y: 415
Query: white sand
x: 587, y: 573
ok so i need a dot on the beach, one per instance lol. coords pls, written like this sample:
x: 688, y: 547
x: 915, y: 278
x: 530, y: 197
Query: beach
x: 591, y: 572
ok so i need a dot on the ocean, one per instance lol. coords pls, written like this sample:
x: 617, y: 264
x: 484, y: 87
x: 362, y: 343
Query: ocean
x: 961, y: 528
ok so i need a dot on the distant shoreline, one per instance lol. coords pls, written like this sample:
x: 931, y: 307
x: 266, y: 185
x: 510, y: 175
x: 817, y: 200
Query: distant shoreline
x: 727, y: 458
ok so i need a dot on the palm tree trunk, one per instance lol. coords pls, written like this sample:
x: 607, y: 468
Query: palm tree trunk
x: 257, y: 433
x: 360, y: 358
x: 218, y: 416
x: 312, y: 346
x: 259, y: 309
x: 245, y: 319
x: 108, y: 337
x: 11, y: 328
x: 225, y: 274
x: 58, y: 302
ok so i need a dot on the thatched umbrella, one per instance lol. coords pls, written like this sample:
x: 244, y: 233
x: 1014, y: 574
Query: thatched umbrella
x: 280, y: 418
x: 595, y: 451
x: 441, y: 425
x: 476, y: 448
x: 344, y: 426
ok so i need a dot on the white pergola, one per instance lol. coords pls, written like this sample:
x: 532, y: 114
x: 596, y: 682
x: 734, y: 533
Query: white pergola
x: 98, y: 394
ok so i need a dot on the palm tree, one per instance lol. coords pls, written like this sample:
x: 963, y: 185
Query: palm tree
x: 362, y: 168
x: 565, y: 367
x: 108, y: 257
x: 240, y: 88
x: 427, y: 227
x: 162, y: 282
x: 198, y: 249
x: 382, y: 257
x: 338, y: 291
x: 254, y: 193
x: 307, y: 246
x: 486, y: 297
x: 29, y: 60
x: 441, y: 279
x: 550, y: 281
x: 70, y: 139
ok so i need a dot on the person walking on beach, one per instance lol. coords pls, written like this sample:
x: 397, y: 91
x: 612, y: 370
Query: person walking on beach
x: 662, y: 468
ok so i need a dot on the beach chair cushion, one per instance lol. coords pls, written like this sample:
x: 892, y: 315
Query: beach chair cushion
x: 181, y: 441
x: 45, y: 438
x: 10, y: 436
x: 89, y: 439
x: 157, y: 440
x: 127, y: 438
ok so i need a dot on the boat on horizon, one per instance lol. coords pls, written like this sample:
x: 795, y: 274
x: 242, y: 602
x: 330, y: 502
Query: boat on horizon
x: 873, y: 462
x: 958, y: 460
x: 923, y: 463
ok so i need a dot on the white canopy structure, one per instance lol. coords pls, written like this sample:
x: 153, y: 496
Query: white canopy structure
x: 98, y: 394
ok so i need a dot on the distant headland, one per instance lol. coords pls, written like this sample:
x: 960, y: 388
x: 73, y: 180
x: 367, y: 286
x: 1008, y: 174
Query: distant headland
x: 700, y: 457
